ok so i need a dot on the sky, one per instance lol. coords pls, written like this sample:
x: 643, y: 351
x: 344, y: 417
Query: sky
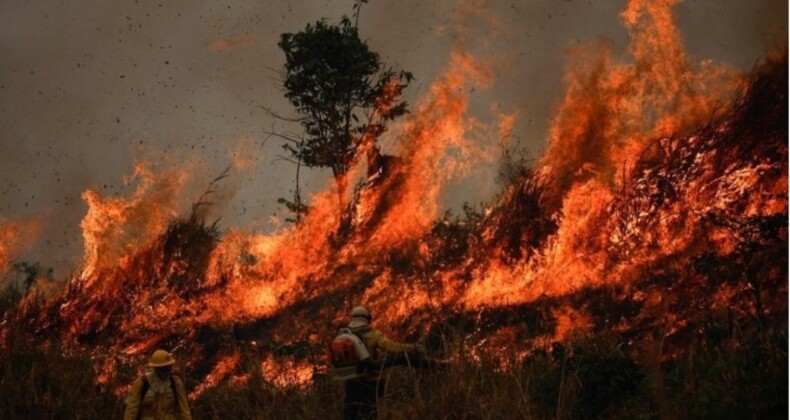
x: 88, y: 87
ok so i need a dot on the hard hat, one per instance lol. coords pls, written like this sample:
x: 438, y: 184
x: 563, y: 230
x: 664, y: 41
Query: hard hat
x: 361, y: 312
x: 360, y: 317
x: 161, y: 358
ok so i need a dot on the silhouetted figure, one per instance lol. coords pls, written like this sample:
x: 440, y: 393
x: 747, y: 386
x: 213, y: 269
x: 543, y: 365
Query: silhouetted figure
x: 359, y: 345
x: 159, y: 394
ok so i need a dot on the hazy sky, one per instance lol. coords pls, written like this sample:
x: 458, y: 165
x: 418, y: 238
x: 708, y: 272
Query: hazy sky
x: 86, y: 84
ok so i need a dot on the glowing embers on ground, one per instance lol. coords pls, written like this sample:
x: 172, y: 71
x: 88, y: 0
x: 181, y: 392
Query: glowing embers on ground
x: 287, y: 372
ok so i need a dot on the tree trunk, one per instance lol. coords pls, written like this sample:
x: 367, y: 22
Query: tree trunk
x: 343, y: 217
x: 374, y: 160
x: 340, y: 184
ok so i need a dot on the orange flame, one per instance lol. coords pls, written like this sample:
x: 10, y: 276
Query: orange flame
x: 114, y: 227
x: 145, y: 282
x: 15, y: 236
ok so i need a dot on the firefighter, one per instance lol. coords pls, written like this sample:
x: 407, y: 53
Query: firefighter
x: 362, y: 392
x: 159, y: 394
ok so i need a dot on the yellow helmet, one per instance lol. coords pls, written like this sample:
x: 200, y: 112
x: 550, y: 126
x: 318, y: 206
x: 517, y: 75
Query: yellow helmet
x: 361, y: 312
x: 161, y: 358
x: 360, y: 317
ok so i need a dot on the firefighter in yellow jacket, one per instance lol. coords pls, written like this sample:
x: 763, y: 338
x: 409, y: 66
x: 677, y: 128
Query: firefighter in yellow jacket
x: 159, y: 394
x: 362, y: 393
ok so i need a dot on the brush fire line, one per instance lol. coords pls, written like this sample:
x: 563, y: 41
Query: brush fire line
x: 659, y: 204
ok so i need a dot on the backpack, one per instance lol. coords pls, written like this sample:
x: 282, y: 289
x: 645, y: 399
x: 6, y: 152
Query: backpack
x: 347, y: 349
x: 146, y: 385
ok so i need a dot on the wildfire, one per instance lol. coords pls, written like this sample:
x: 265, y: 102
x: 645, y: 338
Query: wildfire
x: 8, y: 235
x: 115, y: 227
x: 640, y: 177
x: 287, y: 373
x: 222, y: 370
x: 15, y: 236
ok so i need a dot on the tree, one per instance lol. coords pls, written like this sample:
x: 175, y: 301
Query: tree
x: 344, y: 96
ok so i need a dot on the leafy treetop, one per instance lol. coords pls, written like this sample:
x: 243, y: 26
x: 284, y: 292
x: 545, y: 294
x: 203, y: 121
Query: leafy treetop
x: 343, y: 94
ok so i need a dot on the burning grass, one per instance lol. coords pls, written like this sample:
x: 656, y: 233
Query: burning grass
x: 698, y: 328
x: 655, y: 288
x: 723, y: 372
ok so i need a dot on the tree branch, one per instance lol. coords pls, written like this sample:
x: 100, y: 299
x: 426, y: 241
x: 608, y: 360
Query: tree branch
x: 285, y: 158
x: 280, y: 117
x: 281, y: 136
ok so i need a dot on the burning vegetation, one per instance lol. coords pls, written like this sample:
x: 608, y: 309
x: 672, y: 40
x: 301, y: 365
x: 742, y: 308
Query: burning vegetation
x: 653, y: 231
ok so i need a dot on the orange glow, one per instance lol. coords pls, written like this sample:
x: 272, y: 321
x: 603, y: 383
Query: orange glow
x: 287, y: 373
x: 222, y: 370
x: 114, y: 227
x: 632, y: 182
x: 15, y: 236
x: 611, y: 110
x: 225, y: 44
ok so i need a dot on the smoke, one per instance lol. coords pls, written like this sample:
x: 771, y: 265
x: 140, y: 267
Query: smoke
x: 571, y: 226
x: 82, y: 82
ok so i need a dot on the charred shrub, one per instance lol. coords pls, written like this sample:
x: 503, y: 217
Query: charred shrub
x: 595, y: 378
x: 522, y: 221
x: 40, y: 381
x: 731, y: 373
x: 186, y: 249
x: 452, y: 237
x: 9, y: 298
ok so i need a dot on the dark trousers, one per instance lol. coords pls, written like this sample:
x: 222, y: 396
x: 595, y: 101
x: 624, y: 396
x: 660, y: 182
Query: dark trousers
x: 360, y: 401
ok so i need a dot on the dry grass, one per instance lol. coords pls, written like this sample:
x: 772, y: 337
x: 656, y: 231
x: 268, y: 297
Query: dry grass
x: 743, y: 377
